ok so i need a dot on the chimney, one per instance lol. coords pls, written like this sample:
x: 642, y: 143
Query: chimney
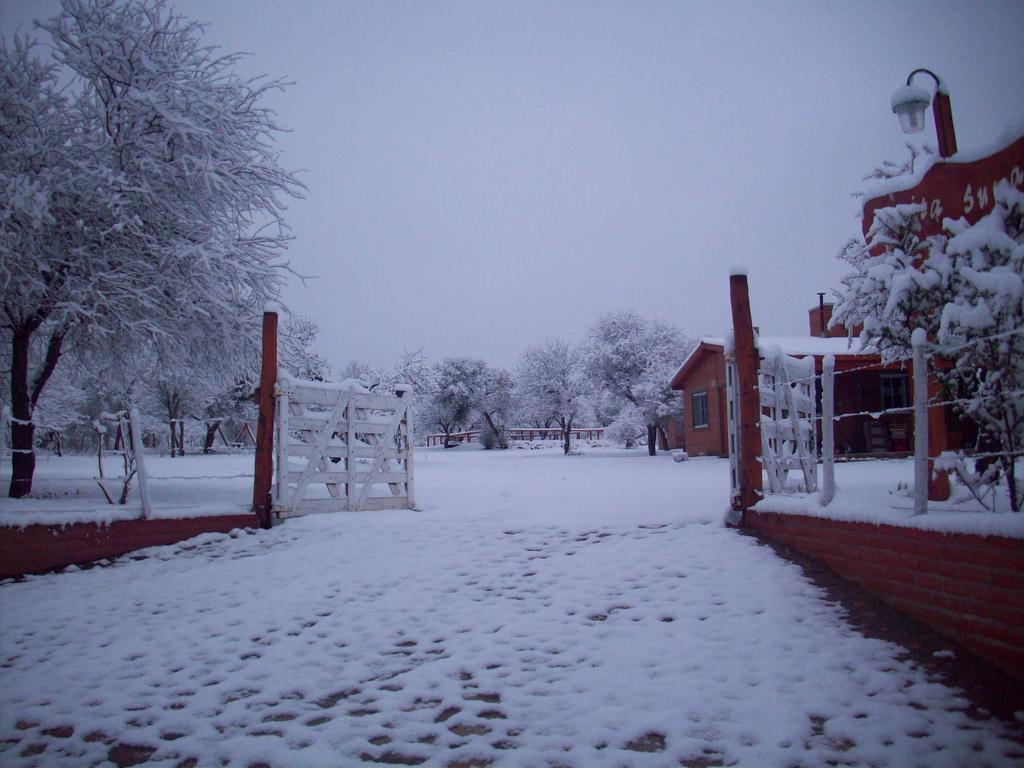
x: 819, y: 317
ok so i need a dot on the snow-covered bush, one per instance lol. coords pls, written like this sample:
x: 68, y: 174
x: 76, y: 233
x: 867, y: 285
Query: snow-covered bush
x: 490, y: 439
x: 627, y: 430
x: 965, y: 287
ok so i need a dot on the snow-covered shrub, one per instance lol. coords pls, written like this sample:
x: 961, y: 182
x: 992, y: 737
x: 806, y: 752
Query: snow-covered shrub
x: 626, y: 431
x: 491, y: 439
x: 965, y: 287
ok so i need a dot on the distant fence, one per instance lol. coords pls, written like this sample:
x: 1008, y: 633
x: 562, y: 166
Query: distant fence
x: 524, y: 433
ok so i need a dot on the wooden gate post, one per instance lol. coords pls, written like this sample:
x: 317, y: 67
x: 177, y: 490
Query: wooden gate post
x: 745, y: 354
x: 264, y: 469
x: 828, y: 442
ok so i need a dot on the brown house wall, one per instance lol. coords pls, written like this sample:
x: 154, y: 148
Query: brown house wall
x: 708, y: 375
x: 857, y: 391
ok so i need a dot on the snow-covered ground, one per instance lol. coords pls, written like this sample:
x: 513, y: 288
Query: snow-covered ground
x: 537, y: 610
x: 64, y: 490
x: 873, y: 491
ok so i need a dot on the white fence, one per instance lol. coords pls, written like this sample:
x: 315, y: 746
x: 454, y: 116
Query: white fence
x: 788, y: 413
x: 788, y: 424
x: 339, y: 447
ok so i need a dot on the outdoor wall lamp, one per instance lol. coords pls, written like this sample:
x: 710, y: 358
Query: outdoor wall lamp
x: 909, y: 102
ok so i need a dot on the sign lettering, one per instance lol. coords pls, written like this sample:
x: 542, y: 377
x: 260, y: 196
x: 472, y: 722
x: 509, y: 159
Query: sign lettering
x: 955, y: 190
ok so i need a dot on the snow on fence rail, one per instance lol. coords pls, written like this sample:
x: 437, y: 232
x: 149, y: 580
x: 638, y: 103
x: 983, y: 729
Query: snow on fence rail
x: 348, y: 440
x: 519, y: 433
x: 127, y: 447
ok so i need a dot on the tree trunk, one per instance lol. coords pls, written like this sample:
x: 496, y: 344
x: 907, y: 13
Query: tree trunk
x: 662, y: 438
x: 174, y: 440
x: 211, y: 434
x: 567, y: 435
x: 23, y: 457
x: 1011, y: 485
x: 25, y: 396
x: 652, y: 440
x: 499, y: 440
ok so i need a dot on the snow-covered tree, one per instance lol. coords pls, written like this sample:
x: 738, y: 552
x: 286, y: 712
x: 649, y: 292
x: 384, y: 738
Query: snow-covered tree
x: 890, y: 169
x: 493, y: 403
x: 966, y: 289
x: 466, y: 389
x: 358, y: 370
x: 451, y: 407
x: 297, y: 347
x: 45, y: 201
x: 551, y: 384
x: 146, y: 201
x: 59, y: 409
x: 633, y: 359
x: 891, y: 290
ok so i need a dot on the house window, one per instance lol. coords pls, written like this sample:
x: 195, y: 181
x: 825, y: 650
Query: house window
x: 894, y: 391
x: 699, y: 406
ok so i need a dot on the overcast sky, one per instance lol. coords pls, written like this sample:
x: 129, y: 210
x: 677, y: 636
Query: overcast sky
x: 485, y: 176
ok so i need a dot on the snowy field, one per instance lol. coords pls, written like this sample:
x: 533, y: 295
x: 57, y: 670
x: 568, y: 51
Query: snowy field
x: 537, y: 610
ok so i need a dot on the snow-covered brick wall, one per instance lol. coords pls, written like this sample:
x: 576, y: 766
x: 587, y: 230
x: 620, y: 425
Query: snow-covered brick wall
x: 966, y: 586
x: 42, y: 548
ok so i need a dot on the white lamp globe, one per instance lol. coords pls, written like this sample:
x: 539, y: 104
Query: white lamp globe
x: 909, y: 103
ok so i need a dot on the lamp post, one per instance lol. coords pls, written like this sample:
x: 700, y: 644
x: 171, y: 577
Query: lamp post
x: 909, y: 102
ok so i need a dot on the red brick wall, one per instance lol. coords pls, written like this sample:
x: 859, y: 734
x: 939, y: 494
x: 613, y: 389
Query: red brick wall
x: 968, y: 587
x: 42, y: 548
x: 818, y: 320
x: 675, y: 435
x: 708, y: 375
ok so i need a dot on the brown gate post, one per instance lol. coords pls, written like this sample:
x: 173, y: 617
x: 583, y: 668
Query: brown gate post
x: 746, y: 384
x: 264, y: 469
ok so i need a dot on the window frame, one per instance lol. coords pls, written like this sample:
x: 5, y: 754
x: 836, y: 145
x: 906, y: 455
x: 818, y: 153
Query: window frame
x: 703, y: 396
x: 886, y: 390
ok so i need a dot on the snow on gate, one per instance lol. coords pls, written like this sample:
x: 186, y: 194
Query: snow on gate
x: 788, y: 413
x: 341, y: 447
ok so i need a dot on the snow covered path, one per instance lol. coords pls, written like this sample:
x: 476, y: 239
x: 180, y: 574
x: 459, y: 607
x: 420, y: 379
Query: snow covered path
x: 539, y: 611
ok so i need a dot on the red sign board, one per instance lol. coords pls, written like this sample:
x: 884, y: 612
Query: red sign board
x: 952, y: 189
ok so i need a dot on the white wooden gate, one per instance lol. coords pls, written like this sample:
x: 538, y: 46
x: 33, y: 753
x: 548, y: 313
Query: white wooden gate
x: 732, y: 399
x: 788, y: 436
x: 340, y: 447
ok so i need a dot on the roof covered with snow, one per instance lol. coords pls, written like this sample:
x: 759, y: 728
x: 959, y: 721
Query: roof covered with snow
x: 797, y: 346
x: 706, y: 344
x: 815, y: 345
